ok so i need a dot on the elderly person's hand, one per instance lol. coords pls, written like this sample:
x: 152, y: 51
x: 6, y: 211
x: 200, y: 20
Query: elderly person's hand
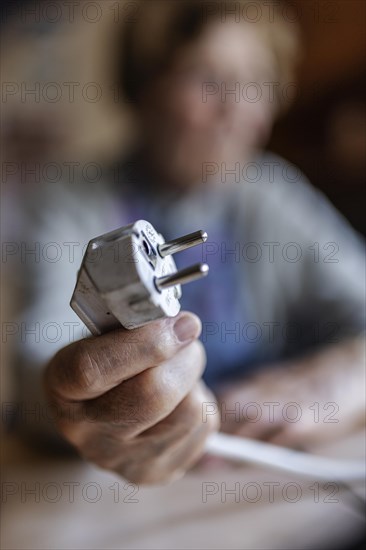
x: 302, y: 402
x: 131, y: 401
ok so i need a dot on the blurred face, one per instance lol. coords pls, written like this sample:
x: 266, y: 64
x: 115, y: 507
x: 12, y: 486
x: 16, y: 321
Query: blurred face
x: 212, y: 105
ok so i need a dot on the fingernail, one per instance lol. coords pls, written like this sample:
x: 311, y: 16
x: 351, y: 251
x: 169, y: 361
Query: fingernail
x: 187, y: 328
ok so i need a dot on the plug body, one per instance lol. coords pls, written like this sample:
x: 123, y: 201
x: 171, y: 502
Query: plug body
x: 128, y: 277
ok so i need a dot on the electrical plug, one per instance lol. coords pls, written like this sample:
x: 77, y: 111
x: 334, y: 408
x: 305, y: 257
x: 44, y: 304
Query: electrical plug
x: 128, y: 277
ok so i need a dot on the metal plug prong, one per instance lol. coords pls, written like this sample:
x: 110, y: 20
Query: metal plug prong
x: 182, y: 243
x: 183, y: 276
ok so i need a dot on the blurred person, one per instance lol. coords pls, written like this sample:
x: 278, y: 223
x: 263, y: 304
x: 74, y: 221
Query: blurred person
x: 282, y: 311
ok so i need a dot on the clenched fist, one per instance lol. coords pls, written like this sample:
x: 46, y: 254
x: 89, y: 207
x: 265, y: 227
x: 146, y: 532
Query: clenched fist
x: 131, y: 401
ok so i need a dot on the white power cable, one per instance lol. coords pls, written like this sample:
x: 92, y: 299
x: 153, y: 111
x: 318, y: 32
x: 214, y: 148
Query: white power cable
x: 281, y: 458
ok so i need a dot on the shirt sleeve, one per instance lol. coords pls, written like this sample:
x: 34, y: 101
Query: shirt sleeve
x: 311, y: 277
x: 42, y: 253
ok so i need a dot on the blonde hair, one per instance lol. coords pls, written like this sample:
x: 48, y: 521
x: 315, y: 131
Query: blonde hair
x: 161, y: 27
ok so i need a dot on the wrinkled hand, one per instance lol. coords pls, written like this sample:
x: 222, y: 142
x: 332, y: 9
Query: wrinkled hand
x: 131, y: 401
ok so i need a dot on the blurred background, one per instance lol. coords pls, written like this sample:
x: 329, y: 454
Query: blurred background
x: 323, y: 131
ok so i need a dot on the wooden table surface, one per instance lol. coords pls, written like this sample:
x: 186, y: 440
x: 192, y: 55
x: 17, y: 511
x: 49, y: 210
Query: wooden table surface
x: 68, y: 504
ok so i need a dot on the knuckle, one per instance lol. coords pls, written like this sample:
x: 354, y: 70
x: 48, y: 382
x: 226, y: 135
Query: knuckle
x: 155, y: 395
x: 209, y: 424
x: 193, y: 410
x: 120, y: 420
